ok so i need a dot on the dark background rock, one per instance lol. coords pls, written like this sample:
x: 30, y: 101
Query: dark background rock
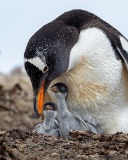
x: 16, y: 104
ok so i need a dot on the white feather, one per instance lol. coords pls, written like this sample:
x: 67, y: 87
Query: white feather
x: 124, y: 43
x: 37, y: 62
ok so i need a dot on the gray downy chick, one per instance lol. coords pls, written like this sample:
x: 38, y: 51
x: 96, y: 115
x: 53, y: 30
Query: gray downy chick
x: 67, y: 121
x: 50, y: 125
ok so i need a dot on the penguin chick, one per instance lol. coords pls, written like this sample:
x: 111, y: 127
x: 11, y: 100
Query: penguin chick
x: 67, y: 121
x: 49, y: 126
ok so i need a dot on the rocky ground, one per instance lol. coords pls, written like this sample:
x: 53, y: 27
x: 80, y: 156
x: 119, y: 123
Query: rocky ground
x: 16, y: 106
x: 18, y: 142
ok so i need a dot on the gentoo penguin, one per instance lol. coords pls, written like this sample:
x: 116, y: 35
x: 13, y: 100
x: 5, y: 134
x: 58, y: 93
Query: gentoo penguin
x: 91, y: 57
x: 67, y: 121
x: 49, y: 126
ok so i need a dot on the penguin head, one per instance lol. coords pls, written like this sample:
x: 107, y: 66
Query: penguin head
x: 47, y: 57
x: 50, y: 109
x: 60, y: 90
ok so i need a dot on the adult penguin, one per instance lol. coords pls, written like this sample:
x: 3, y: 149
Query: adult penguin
x: 91, y: 58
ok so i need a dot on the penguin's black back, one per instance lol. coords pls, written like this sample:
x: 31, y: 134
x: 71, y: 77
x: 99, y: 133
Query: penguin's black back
x: 80, y: 18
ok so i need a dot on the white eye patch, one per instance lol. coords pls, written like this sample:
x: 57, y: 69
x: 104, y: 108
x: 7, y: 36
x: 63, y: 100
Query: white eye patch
x: 37, y: 62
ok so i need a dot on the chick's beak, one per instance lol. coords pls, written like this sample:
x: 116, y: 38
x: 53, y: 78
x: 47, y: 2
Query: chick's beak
x: 54, y: 89
x: 48, y: 107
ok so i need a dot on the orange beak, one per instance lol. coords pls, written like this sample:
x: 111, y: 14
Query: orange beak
x: 40, y: 102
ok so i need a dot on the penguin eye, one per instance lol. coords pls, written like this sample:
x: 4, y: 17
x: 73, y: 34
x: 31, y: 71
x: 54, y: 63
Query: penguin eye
x: 46, y: 68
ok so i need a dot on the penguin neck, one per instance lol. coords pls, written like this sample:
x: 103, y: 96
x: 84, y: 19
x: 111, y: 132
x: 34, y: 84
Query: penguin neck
x: 63, y: 107
x: 49, y: 120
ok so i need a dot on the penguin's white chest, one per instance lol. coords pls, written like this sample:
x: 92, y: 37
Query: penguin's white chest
x: 98, y: 82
